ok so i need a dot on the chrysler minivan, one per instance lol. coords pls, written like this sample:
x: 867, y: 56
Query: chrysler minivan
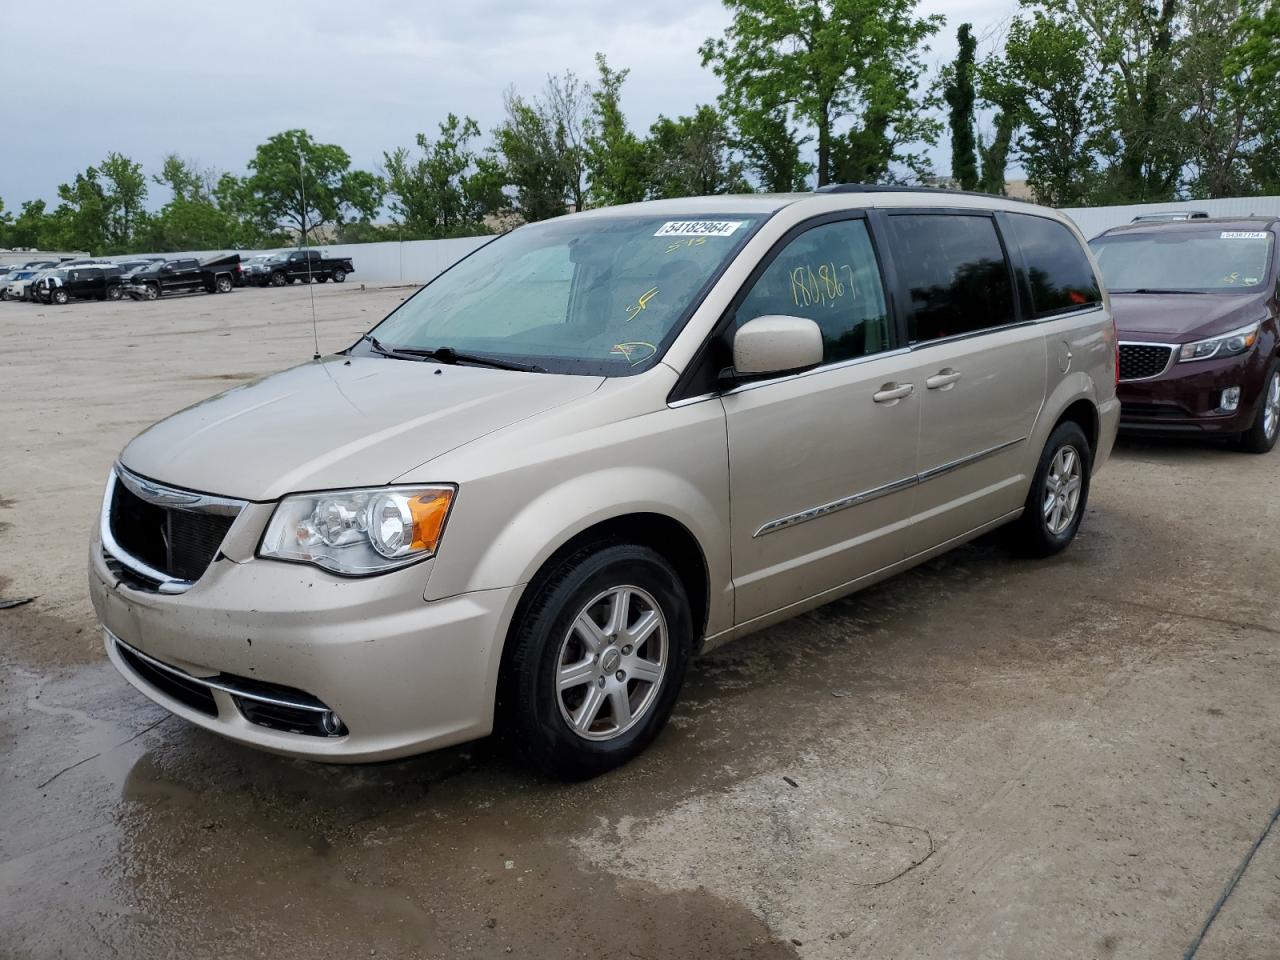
x: 594, y: 447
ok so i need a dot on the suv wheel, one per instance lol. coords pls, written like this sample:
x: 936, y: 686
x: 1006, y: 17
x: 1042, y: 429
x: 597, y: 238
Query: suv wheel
x: 60, y: 297
x: 339, y: 276
x: 114, y: 293
x: 223, y: 285
x: 599, y: 656
x: 1059, y: 493
x: 1261, y: 436
x: 153, y: 291
x: 277, y: 278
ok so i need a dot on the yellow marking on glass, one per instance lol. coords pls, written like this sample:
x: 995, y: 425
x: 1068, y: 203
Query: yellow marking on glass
x: 687, y: 242
x: 633, y: 311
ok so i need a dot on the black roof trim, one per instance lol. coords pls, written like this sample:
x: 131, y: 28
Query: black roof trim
x: 901, y: 188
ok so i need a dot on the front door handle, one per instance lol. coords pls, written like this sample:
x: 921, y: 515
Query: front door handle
x: 944, y: 379
x: 892, y: 392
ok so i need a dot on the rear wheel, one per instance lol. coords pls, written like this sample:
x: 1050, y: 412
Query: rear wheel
x: 153, y: 291
x: 1059, y: 493
x: 339, y: 275
x: 114, y: 293
x: 599, y: 656
x: 1261, y: 436
x: 4, y: 294
x: 223, y: 284
x: 277, y: 278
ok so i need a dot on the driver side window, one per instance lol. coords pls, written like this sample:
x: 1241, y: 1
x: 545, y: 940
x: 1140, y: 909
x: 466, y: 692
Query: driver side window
x: 828, y: 275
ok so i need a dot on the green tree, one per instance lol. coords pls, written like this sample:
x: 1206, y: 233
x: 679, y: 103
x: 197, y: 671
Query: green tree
x: 833, y: 63
x: 31, y: 227
x: 692, y: 157
x: 533, y: 165
x: 1255, y: 65
x: 617, y: 161
x: 961, y: 96
x: 301, y: 185
x: 124, y: 190
x: 449, y: 189
x: 769, y: 144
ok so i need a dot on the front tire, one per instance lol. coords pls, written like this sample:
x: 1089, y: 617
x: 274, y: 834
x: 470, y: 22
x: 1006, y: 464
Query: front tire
x: 1261, y: 436
x: 153, y: 291
x: 598, y: 658
x: 114, y: 293
x: 59, y: 297
x: 1059, y: 494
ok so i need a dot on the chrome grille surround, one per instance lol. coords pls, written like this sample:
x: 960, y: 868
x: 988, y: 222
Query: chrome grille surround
x: 1145, y: 361
x: 169, y: 499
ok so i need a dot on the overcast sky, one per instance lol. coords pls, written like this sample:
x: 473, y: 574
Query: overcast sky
x: 213, y: 81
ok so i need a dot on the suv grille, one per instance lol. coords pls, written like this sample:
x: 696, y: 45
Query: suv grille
x: 1139, y: 361
x: 177, y: 542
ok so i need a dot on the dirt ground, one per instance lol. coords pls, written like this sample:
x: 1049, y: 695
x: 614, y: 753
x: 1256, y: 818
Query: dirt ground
x: 985, y: 757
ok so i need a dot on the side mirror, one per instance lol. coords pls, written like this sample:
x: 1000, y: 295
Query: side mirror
x: 776, y: 344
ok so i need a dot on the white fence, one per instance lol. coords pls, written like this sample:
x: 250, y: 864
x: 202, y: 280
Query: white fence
x: 1093, y: 220
x: 413, y: 261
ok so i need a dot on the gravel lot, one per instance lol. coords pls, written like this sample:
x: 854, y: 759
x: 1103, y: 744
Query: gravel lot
x: 985, y: 757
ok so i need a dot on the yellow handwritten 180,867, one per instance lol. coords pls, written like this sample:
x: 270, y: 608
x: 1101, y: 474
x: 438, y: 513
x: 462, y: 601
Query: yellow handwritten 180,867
x: 822, y: 286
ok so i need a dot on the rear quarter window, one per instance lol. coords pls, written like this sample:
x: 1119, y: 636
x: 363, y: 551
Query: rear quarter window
x: 1053, y: 265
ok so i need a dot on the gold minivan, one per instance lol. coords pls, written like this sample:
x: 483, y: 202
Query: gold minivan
x: 594, y: 447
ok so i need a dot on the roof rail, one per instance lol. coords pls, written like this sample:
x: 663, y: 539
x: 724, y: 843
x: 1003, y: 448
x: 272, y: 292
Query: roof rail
x: 903, y: 188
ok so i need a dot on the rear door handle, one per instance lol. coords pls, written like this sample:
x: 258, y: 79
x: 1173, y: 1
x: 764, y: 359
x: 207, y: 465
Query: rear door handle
x: 942, y: 379
x: 892, y: 392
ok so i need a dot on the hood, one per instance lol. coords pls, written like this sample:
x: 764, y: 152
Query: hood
x: 1182, y: 317
x: 339, y: 423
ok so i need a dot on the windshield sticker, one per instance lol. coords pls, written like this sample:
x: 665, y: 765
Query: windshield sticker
x: 1243, y: 235
x: 633, y: 311
x: 679, y: 244
x: 636, y: 351
x: 698, y: 228
x: 1250, y: 281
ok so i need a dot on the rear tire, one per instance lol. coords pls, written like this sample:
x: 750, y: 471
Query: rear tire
x: 153, y: 291
x: 339, y: 276
x: 568, y: 704
x: 223, y: 285
x: 1058, y: 496
x: 114, y: 293
x: 1261, y: 436
x: 277, y: 279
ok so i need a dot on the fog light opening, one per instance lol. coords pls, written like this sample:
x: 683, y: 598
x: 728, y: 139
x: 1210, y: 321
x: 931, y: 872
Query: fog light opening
x: 1230, y: 400
x: 332, y: 723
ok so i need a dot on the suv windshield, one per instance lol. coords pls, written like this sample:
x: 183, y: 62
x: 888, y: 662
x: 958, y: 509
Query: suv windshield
x: 601, y: 295
x: 1200, y: 260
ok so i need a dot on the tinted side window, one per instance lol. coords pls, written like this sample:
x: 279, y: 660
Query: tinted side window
x: 1058, y: 273
x: 953, y: 272
x: 829, y: 275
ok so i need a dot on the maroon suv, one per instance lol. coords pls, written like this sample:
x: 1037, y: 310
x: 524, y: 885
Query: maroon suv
x: 1196, y: 307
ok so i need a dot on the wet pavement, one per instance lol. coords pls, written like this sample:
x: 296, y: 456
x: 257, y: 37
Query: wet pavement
x: 984, y: 757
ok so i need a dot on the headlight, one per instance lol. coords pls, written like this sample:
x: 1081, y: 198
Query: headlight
x: 359, y: 532
x: 1228, y: 345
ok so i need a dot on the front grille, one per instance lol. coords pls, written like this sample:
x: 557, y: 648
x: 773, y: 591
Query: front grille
x: 177, y: 542
x: 1140, y: 361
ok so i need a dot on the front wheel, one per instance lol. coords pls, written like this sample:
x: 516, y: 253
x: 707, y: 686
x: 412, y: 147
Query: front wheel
x: 1059, y: 493
x: 339, y: 276
x: 1261, y: 435
x: 60, y: 297
x: 153, y: 291
x: 599, y: 656
x: 114, y: 293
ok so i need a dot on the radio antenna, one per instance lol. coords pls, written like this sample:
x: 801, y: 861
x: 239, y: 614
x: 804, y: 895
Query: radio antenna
x: 306, y: 246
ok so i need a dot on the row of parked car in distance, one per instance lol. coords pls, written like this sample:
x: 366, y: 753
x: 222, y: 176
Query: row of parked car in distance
x: 151, y: 277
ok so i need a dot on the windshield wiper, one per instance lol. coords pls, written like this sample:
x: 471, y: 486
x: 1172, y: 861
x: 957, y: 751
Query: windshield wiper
x: 1154, y: 290
x: 450, y: 356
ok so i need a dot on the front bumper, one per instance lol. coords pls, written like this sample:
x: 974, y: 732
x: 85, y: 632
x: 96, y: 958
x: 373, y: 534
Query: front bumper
x: 403, y: 674
x: 1187, y: 398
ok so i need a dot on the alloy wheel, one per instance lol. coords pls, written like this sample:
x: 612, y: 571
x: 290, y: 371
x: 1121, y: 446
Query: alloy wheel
x: 1062, y: 490
x: 611, y: 663
x: 1271, y: 408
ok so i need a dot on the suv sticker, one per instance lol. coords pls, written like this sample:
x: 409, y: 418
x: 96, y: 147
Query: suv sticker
x: 698, y: 228
x: 1243, y: 235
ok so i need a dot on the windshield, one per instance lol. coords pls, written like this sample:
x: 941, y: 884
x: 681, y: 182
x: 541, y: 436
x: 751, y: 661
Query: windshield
x: 590, y: 296
x: 1200, y: 260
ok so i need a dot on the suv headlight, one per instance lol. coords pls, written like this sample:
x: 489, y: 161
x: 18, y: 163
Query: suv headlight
x: 1228, y: 345
x: 357, y: 533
